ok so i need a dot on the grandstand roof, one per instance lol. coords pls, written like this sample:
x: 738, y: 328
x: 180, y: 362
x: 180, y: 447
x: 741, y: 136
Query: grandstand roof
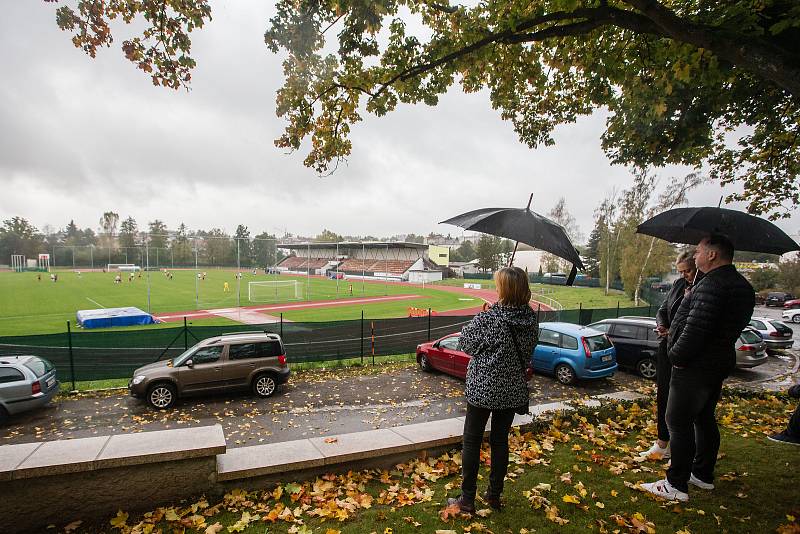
x: 354, y: 244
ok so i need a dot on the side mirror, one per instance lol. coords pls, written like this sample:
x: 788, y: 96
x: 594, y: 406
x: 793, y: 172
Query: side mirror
x: 436, y: 345
x: 189, y: 363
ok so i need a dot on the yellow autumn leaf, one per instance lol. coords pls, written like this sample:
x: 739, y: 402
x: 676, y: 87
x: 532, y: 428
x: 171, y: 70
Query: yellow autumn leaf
x: 441, y: 531
x: 571, y: 498
x: 75, y: 524
x: 214, y: 529
x: 120, y: 520
x: 599, y: 504
x: 171, y: 515
x: 484, y: 512
x: 333, y: 531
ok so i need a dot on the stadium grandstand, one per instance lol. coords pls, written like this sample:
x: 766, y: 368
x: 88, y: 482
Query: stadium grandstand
x: 398, y: 261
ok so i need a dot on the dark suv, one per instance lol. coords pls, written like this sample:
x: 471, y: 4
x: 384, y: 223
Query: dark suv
x: 635, y: 341
x: 254, y: 360
x: 777, y: 298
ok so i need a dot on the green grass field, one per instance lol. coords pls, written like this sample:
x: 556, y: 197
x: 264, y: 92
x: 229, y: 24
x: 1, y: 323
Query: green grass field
x: 32, y: 306
x: 29, y: 305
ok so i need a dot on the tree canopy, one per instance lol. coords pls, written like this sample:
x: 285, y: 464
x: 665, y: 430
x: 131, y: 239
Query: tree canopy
x: 689, y: 82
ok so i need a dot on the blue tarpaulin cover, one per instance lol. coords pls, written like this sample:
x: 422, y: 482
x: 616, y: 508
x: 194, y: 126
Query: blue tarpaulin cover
x: 108, y: 317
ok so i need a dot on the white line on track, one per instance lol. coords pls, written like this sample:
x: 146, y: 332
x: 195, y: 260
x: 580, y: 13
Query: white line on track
x: 94, y: 301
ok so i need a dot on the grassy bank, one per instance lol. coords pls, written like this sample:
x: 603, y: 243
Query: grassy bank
x: 576, y: 473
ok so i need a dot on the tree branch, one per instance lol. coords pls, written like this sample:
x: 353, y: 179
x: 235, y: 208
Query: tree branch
x: 752, y: 53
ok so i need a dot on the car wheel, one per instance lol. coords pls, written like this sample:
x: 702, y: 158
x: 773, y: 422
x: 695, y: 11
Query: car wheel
x: 647, y: 368
x: 796, y: 318
x: 162, y: 396
x: 565, y: 374
x: 424, y: 364
x: 264, y: 385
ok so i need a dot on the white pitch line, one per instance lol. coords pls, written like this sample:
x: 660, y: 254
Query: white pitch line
x: 92, y: 300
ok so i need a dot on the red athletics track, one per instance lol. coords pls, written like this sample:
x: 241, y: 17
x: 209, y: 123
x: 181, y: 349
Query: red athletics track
x: 262, y: 313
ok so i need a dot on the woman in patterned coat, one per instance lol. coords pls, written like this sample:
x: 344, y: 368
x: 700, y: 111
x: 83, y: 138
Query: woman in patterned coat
x: 501, y: 341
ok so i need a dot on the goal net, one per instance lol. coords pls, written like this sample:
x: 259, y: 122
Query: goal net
x: 274, y: 291
x: 122, y: 267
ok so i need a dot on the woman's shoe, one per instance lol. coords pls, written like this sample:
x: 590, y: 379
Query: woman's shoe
x: 468, y: 507
x: 493, y: 502
x: 657, y: 453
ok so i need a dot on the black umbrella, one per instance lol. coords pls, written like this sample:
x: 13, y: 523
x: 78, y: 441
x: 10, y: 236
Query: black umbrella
x: 522, y: 225
x: 746, y: 232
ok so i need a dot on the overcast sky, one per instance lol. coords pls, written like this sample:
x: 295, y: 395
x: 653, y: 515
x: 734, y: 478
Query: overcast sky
x: 83, y: 136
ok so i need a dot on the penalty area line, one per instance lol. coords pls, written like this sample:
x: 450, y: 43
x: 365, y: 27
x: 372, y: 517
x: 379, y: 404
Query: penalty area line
x: 95, y: 302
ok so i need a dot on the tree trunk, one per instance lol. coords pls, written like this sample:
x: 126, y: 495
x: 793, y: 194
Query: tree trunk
x: 641, y: 272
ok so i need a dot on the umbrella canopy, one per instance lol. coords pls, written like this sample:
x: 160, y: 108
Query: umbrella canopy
x: 523, y: 225
x: 746, y: 232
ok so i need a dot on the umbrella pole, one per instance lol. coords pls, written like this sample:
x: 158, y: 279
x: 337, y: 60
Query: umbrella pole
x: 528, y: 207
x: 513, y: 253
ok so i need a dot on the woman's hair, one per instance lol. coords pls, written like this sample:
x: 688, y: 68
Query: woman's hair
x: 512, y: 286
x: 687, y: 257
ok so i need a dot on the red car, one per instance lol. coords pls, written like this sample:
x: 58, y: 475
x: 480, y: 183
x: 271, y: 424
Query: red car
x: 791, y: 304
x: 442, y: 355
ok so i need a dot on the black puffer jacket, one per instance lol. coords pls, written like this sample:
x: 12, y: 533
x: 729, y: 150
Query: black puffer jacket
x: 669, y: 307
x: 708, y: 322
x: 496, y: 372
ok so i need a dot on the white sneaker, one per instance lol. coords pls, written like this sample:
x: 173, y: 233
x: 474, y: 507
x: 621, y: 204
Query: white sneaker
x: 664, y: 489
x: 699, y: 483
x: 657, y: 453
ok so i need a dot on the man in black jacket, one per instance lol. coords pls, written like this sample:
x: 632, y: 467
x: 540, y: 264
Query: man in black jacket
x: 701, y: 348
x: 666, y: 312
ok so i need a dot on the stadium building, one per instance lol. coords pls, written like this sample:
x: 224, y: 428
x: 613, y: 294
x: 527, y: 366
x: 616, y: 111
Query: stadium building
x: 396, y: 261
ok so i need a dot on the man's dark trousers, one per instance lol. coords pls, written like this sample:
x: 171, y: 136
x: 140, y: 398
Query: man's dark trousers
x: 694, y: 435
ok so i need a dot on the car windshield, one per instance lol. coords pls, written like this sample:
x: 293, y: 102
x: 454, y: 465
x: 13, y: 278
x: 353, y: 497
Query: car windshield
x: 750, y: 337
x: 39, y: 366
x: 598, y: 343
x: 185, y: 355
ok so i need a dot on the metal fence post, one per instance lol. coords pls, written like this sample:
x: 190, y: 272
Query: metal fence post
x: 580, y: 313
x: 362, y: 337
x: 649, y: 310
x: 538, y: 311
x: 185, y: 334
x: 372, y: 337
x: 618, y: 309
x: 429, y: 324
x: 71, y: 358
x: 281, y: 325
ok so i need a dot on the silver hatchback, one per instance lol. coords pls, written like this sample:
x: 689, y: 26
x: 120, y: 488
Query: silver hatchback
x: 26, y: 383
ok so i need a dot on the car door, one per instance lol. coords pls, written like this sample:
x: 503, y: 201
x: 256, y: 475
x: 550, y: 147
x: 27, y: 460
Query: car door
x: 205, y: 374
x: 624, y: 337
x: 458, y: 360
x: 439, y: 358
x: 14, y: 388
x: 547, y: 350
x: 240, y: 364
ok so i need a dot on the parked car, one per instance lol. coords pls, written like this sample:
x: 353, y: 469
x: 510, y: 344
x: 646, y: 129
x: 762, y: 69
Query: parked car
x: 791, y: 315
x: 777, y: 298
x: 776, y: 334
x: 443, y: 355
x: 254, y: 360
x: 791, y: 304
x: 26, y: 383
x: 635, y: 340
x: 567, y: 351
x: 751, y: 350
x: 571, y: 352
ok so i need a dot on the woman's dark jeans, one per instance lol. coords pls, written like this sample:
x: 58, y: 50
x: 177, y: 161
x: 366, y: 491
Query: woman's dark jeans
x: 474, y: 427
x: 693, y: 430
x: 664, y: 373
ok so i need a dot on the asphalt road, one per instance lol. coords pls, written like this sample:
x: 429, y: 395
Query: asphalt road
x: 314, y: 403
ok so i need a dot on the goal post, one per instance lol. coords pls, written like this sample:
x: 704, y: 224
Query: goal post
x: 274, y: 290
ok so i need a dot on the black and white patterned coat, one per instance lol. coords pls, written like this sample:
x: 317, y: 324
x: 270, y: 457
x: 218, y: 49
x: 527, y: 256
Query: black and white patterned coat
x: 496, y: 371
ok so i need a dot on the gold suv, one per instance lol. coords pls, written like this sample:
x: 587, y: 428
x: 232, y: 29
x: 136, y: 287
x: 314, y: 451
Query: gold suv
x: 254, y: 360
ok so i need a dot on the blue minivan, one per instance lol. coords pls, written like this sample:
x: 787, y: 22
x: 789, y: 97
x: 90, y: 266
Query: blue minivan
x: 571, y: 352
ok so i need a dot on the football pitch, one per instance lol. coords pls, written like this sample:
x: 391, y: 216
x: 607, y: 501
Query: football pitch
x: 30, y: 303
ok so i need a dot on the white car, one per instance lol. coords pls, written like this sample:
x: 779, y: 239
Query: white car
x: 791, y: 315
